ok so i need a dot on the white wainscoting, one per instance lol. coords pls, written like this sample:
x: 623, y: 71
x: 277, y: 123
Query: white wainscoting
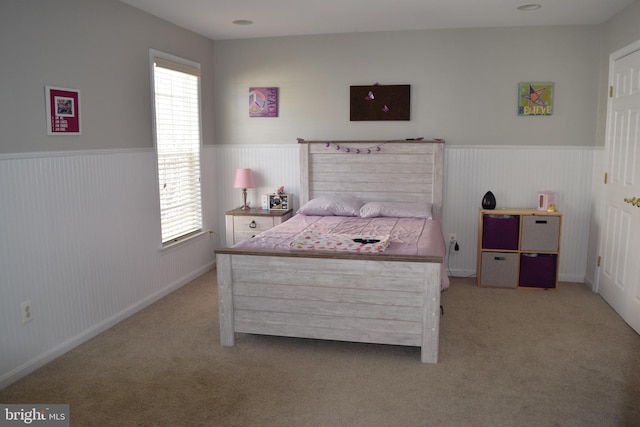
x: 80, y: 238
x: 514, y: 174
x: 79, y: 231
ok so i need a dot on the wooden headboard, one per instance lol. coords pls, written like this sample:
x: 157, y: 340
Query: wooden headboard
x: 397, y: 170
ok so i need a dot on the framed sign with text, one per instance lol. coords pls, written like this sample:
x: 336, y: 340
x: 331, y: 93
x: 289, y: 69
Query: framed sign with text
x: 263, y: 102
x: 63, y: 111
x: 535, y: 99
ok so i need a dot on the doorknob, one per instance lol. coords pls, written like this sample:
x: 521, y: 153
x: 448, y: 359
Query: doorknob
x: 633, y: 201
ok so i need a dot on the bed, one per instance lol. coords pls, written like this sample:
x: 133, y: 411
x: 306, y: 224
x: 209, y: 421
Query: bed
x: 275, y: 285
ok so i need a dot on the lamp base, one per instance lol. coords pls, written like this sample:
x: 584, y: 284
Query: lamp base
x: 244, y: 200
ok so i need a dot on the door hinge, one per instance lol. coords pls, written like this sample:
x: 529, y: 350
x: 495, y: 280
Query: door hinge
x: 606, y: 177
x: 599, y: 261
x: 610, y: 91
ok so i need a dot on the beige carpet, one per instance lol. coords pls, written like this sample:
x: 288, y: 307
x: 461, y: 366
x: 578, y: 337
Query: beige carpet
x: 507, y: 358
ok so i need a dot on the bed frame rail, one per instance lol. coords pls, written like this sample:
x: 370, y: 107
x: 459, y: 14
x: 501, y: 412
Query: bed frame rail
x: 392, y: 303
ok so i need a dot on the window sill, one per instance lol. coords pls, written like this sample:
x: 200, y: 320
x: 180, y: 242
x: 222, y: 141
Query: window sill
x: 171, y: 246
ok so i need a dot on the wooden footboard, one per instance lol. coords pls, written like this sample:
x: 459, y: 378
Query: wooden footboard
x: 373, y: 301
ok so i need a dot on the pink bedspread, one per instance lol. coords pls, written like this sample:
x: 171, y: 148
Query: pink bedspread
x: 409, y: 236
x: 363, y: 243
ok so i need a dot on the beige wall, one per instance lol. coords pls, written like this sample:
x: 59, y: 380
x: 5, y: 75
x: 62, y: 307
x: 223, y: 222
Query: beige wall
x: 100, y: 47
x: 463, y: 82
x: 623, y: 29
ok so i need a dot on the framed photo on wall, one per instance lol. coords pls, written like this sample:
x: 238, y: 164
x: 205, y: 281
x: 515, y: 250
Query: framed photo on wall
x: 63, y: 111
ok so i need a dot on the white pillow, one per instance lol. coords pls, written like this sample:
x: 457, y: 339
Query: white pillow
x: 330, y: 205
x: 419, y: 209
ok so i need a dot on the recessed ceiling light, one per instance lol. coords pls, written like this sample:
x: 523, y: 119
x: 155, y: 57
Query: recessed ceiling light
x: 242, y: 22
x: 532, y: 6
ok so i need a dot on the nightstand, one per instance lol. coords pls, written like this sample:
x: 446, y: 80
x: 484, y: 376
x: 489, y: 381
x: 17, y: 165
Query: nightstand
x: 244, y: 224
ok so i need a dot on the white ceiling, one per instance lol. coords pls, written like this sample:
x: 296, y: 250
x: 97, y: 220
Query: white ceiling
x: 213, y: 18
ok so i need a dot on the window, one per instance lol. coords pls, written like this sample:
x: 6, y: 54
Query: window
x: 176, y: 101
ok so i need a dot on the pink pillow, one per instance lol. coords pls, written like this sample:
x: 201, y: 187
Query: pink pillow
x: 328, y: 205
x: 396, y: 209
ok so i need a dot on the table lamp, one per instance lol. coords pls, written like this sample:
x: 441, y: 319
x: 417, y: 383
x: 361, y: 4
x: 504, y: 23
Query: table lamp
x: 244, y: 180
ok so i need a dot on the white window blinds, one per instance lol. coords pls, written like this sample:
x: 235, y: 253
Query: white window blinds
x: 178, y: 142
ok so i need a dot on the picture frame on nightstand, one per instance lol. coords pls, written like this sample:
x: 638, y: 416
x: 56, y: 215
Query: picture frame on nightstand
x: 279, y: 202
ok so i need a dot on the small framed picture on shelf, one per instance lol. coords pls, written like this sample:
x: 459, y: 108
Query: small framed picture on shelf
x: 279, y: 201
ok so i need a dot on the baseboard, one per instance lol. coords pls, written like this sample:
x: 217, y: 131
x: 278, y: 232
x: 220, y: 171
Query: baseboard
x: 459, y: 273
x: 73, y: 342
x: 571, y: 278
x: 561, y: 278
x: 590, y: 284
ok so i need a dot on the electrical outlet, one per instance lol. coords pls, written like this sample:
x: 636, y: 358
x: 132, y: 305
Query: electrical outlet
x: 452, y: 238
x: 27, y: 311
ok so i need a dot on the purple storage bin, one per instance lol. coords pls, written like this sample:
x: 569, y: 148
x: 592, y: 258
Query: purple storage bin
x: 500, y: 232
x: 538, y: 270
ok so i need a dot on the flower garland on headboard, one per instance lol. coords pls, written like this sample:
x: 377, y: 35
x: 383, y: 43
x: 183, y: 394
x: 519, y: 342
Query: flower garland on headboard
x: 344, y: 149
x: 366, y: 150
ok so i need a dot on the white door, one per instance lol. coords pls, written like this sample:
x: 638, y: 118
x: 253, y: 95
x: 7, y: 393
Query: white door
x: 619, y: 281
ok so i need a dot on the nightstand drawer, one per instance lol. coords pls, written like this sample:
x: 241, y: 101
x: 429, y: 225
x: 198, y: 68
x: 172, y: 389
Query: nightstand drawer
x: 252, y: 224
x: 243, y: 224
x: 240, y: 236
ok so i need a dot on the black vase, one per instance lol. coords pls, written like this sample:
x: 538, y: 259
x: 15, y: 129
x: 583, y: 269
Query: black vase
x: 489, y: 201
